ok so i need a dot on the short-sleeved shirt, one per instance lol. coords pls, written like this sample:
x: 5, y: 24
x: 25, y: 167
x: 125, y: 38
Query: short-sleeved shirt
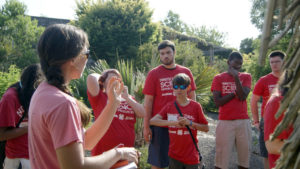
x: 11, y: 112
x: 181, y: 145
x: 264, y: 88
x: 54, y: 122
x: 121, y: 129
x: 159, y: 85
x: 270, y: 123
x: 235, y: 108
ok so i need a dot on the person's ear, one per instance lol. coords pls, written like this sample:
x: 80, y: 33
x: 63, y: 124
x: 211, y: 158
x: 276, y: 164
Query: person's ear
x: 189, y: 87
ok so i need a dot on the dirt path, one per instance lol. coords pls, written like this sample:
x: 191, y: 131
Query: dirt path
x: 207, y: 146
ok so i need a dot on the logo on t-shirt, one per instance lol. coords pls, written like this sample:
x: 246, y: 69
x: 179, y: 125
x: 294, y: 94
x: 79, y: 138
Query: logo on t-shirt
x: 20, y: 111
x: 124, y: 108
x: 271, y: 87
x: 228, y: 87
x: 165, y: 84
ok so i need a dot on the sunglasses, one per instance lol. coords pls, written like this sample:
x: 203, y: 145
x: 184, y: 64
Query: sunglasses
x: 182, y: 87
x: 86, y: 54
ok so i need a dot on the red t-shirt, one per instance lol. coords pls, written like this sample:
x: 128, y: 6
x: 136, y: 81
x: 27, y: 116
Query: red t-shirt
x: 121, y: 129
x: 270, y: 123
x: 11, y: 112
x: 181, y: 145
x: 159, y: 85
x: 264, y: 88
x: 235, y: 108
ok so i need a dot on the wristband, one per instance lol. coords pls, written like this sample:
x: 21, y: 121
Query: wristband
x: 191, y: 123
x: 255, y: 122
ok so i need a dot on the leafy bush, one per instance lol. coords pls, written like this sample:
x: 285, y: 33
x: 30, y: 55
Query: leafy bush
x: 143, y: 159
x: 8, y: 78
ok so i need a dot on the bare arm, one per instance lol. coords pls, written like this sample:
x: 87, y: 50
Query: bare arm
x: 148, y: 110
x: 192, y: 95
x: 92, y: 84
x: 219, y: 100
x: 100, y: 126
x: 241, y: 92
x: 137, y: 107
x: 183, y: 121
x: 158, y: 121
x: 274, y: 146
x: 254, y: 109
x: 7, y: 133
x: 72, y: 156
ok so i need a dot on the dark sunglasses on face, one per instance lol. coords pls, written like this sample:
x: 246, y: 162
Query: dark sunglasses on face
x: 182, y: 87
x: 87, y: 54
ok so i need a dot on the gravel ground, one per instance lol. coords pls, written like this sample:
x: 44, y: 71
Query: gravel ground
x: 207, y: 146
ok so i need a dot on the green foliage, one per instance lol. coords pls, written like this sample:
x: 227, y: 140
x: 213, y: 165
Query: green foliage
x: 9, y: 78
x: 250, y: 66
x: 211, y: 35
x: 173, y: 21
x: 187, y: 53
x: 143, y: 159
x: 147, y: 57
x: 126, y: 71
x: 18, y: 36
x: 257, y: 13
x: 117, y: 27
x: 246, y: 46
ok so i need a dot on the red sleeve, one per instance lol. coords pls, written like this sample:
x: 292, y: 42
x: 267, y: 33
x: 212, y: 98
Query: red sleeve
x: 216, y: 85
x: 259, y: 88
x: 201, y: 117
x: 8, y: 111
x: 247, y: 81
x: 149, y: 88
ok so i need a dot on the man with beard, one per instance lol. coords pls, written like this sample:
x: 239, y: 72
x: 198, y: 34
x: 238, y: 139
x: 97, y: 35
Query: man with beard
x: 158, y: 92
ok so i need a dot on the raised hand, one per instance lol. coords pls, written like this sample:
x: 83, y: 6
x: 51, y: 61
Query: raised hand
x: 233, y: 72
x: 115, y: 87
x: 125, y: 92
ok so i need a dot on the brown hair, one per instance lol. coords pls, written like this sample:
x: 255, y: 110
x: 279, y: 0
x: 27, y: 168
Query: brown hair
x: 104, y: 76
x: 58, y: 44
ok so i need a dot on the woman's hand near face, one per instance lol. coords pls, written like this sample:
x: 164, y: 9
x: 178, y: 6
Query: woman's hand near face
x: 115, y: 87
x: 125, y: 93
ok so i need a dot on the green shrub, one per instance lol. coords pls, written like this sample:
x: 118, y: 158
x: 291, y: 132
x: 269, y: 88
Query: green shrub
x: 143, y: 159
x: 8, y: 78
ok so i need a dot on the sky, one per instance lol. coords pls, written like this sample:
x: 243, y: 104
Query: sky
x: 229, y: 16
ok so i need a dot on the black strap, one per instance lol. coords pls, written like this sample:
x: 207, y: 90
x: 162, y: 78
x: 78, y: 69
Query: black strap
x: 178, y: 109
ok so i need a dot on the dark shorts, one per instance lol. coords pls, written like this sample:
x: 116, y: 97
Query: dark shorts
x: 262, y: 145
x: 175, y: 164
x: 159, y: 147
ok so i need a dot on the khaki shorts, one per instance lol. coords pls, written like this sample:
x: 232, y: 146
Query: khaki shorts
x: 14, y: 163
x: 231, y: 133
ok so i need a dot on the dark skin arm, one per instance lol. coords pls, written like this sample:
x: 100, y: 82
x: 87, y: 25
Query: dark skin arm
x: 7, y: 133
x: 241, y: 92
x: 219, y: 100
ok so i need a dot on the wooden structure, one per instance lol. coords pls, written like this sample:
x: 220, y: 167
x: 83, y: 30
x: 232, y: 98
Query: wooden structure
x: 285, y: 14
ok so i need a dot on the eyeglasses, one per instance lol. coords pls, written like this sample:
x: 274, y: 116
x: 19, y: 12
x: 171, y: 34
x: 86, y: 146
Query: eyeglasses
x: 86, y: 54
x: 182, y: 87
